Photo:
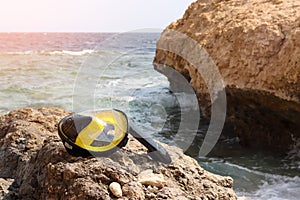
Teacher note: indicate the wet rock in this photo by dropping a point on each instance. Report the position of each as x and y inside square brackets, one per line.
[255, 46]
[46, 171]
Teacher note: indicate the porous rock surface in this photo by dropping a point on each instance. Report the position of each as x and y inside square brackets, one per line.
[256, 48]
[35, 165]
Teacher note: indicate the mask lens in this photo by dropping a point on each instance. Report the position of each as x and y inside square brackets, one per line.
[106, 136]
[100, 130]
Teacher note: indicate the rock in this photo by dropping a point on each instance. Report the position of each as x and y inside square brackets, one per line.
[174, 193]
[134, 190]
[4, 187]
[22, 133]
[255, 46]
[116, 189]
[44, 170]
[8, 189]
[147, 177]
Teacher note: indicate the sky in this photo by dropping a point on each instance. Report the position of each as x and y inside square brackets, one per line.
[88, 15]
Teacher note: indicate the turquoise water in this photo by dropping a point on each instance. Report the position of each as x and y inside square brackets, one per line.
[42, 69]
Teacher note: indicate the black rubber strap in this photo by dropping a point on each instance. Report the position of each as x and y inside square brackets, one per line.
[156, 151]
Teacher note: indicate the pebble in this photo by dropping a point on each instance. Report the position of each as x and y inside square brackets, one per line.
[147, 177]
[116, 189]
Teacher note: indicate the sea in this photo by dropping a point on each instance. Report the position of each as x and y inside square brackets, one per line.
[115, 70]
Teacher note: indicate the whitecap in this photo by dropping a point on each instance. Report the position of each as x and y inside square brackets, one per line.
[73, 53]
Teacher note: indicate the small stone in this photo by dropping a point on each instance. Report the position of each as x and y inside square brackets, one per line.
[147, 177]
[116, 189]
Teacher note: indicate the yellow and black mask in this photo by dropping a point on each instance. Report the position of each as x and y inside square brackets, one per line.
[100, 133]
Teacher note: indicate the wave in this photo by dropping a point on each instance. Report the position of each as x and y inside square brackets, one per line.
[83, 52]
[276, 189]
[72, 53]
[78, 52]
[18, 52]
[272, 187]
[50, 52]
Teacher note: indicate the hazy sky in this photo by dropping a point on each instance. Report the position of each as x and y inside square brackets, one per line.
[88, 15]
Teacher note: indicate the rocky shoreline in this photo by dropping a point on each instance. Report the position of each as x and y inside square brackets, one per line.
[255, 46]
[35, 165]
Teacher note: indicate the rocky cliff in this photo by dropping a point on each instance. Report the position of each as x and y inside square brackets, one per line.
[256, 48]
[35, 165]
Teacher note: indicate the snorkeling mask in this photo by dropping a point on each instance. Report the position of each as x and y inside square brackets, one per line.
[100, 133]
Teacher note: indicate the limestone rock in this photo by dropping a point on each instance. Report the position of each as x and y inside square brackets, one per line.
[255, 46]
[47, 171]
